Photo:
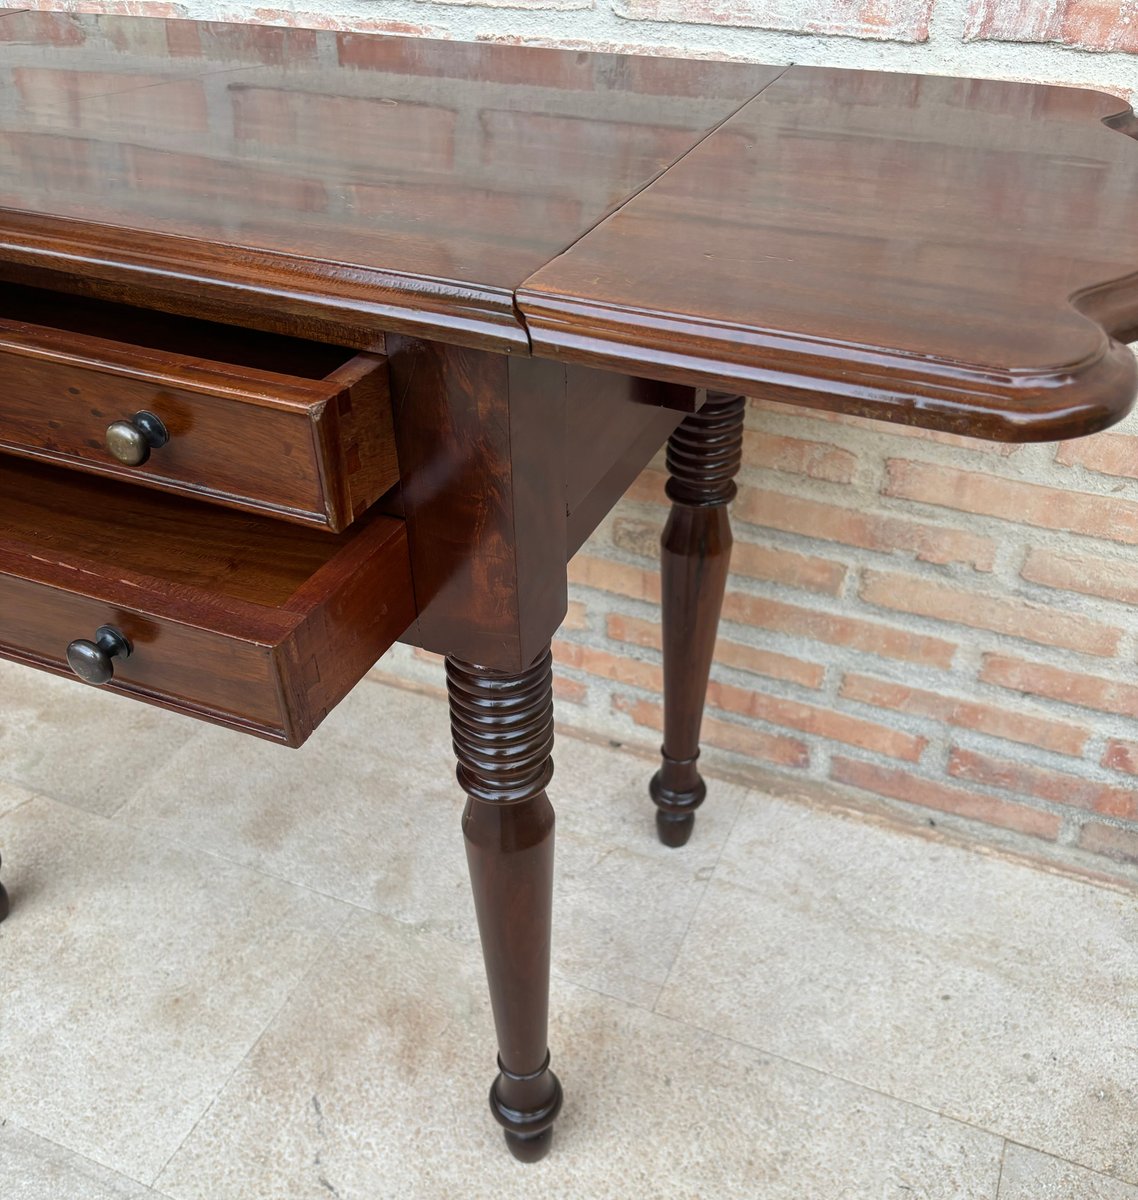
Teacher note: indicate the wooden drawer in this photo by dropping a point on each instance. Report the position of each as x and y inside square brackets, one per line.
[234, 618]
[255, 421]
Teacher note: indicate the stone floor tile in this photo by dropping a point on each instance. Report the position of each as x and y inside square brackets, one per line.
[12, 796]
[32, 1168]
[1029, 1175]
[61, 738]
[371, 1084]
[135, 977]
[376, 820]
[984, 989]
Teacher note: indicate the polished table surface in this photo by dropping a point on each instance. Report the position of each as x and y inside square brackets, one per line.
[958, 254]
[488, 283]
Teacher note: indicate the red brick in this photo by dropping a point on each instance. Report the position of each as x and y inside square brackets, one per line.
[262, 45]
[1107, 453]
[338, 20]
[1056, 786]
[733, 654]
[1087, 574]
[822, 722]
[901, 785]
[805, 571]
[608, 666]
[898, 21]
[1122, 756]
[1011, 500]
[570, 690]
[798, 456]
[1109, 840]
[587, 571]
[725, 735]
[1000, 614]
[1087, 24]
[1054, 683]
[576, 617]
[881, 430]
[1013, 726]
[835, 630]
[871, 531]
[771, 563]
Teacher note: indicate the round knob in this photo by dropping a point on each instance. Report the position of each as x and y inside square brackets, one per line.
[94, 661]
[131, 441]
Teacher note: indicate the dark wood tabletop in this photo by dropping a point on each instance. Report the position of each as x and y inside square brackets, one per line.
[954, 253]
[413, 183]
[959, 254]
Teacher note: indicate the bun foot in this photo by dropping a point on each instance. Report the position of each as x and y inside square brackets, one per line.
[529, 1131]
[677, 791]
[532, 1148]
[674, 829]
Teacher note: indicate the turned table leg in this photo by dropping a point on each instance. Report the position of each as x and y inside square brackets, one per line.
[503, 738]
[704, 454]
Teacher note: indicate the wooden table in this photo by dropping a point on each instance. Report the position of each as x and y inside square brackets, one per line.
[310, 342]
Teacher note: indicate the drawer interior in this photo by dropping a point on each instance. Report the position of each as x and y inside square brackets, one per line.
[82, 521]
[176, 335]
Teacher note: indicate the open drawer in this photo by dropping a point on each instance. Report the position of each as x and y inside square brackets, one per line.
[237, 619]
[257, 421]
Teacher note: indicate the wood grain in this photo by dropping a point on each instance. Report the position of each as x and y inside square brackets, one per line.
[402, 184]
[270, 424]
[240, 620]
[953, 253]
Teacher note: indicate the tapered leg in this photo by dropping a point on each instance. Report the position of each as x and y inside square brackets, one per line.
[3, 902]
[704, 454]
[503, 738]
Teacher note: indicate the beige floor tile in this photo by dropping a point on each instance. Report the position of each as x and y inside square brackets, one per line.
[369, 812]
[135, 978]
[1029, 1175]
[62, 738]
[371, 1084]
[983, 989]
[12, 796]
[32, 1168]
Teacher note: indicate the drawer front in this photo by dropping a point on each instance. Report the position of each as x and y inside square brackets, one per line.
[315, 448]
[200, 672]
[239, 620]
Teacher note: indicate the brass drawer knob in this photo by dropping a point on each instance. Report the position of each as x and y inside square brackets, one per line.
[94, 661]
[130, 442]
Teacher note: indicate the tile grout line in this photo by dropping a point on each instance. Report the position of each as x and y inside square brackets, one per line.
[11, 1121]
[1070, 1162]
[698, 904]
[1000, 1176]
[876, 1091]
[318, 958]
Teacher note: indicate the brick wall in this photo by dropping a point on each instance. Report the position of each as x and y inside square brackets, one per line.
[946, 625]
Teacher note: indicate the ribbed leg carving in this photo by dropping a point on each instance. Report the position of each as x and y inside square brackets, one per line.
[502, 726]
[3, 902]
[704, 454]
